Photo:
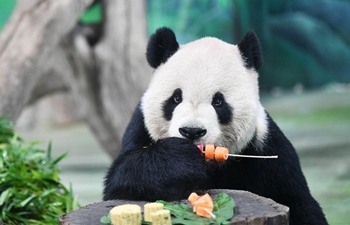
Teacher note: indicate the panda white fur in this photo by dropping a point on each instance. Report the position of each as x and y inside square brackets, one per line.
[205, 92]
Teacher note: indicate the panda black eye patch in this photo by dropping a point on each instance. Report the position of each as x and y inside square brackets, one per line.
[222, 108]
[170, 104]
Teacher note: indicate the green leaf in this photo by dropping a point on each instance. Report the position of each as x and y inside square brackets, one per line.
[105, 220]
[223, 208]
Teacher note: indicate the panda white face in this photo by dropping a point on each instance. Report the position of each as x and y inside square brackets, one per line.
[205, 93]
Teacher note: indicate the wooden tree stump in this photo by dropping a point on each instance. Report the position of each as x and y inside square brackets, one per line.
[250, 209]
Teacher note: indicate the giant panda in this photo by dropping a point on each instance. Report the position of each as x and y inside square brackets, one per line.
[205, 92]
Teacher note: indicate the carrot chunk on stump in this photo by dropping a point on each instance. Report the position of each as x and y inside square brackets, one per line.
[192, 198]
[203, 206]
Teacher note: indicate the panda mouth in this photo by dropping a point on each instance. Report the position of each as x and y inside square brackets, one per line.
[198, 142]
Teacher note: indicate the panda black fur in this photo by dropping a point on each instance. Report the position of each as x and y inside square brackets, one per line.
[206, 92]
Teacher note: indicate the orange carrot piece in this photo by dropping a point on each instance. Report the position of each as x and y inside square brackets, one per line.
[193, 198]
[205, 201]
[209, 151]
[202, 205]
[221, 154]
[200, 211]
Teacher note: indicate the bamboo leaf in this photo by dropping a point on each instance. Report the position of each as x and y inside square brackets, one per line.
[26, 201]
[48, 156]
[30, 191]
[4, 195]
[1, 163]
[55, 161]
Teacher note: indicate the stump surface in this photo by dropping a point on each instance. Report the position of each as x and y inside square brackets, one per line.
[250, 209]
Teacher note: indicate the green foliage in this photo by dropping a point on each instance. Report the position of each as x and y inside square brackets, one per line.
[31, 192]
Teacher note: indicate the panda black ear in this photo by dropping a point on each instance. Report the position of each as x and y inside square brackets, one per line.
[161, 46]
[251, 50]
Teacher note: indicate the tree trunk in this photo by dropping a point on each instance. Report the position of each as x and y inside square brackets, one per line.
[26, 46]
[250, 209]
[106, 78]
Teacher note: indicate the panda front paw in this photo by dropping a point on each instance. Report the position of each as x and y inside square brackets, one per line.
[169, 170]
[179, 147]
[185, 169]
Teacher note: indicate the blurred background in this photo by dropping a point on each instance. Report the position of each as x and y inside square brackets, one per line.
[304, 81]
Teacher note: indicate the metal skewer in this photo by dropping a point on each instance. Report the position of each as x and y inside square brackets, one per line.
[254, 156]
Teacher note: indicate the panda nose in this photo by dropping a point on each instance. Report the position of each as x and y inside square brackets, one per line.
[192, 133]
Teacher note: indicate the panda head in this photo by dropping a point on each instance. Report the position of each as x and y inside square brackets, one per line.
[205, 91]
